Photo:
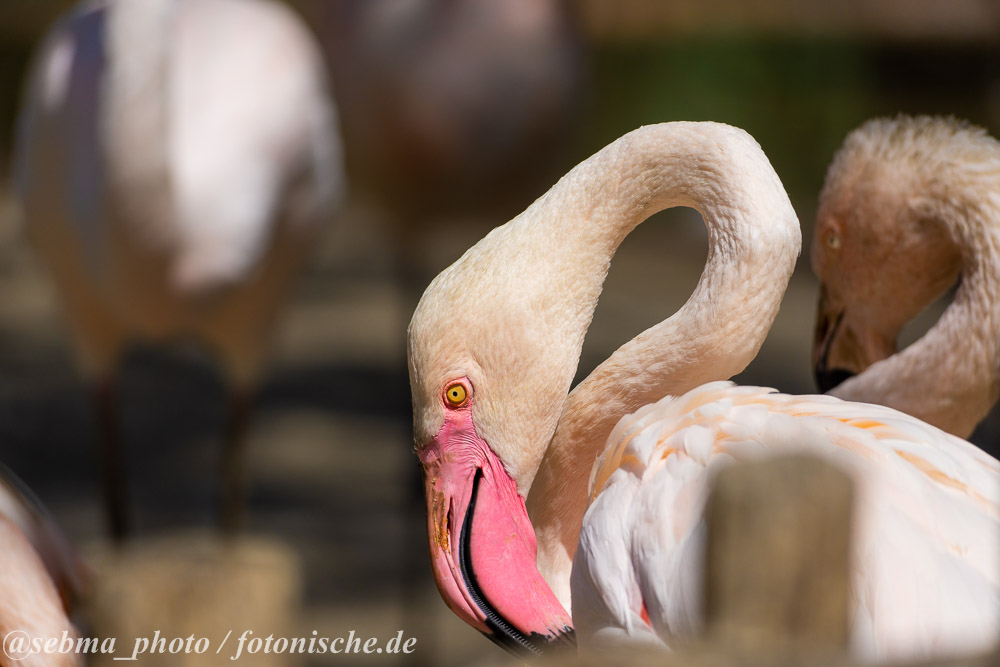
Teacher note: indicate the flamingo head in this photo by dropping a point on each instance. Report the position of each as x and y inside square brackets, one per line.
[482, 544]
[879, 249]
[490, 369]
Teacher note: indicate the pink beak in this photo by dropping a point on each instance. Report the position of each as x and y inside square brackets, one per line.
[483, 546]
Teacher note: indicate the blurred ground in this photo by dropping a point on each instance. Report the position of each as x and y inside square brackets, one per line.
[330, 450]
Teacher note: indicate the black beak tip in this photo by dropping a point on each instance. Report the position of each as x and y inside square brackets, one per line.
[827, 379]
[535, 645]
[566, 639]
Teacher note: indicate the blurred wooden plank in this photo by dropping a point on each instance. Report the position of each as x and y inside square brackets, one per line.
[777, 563]
[154, 593]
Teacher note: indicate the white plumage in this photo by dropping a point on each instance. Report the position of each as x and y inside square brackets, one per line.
[171, 155]
[925, 577]
[174, 159]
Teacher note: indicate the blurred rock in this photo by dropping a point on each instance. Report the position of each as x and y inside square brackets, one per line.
[194, 585]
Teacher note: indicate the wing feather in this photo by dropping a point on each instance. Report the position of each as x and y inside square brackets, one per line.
[926, 543]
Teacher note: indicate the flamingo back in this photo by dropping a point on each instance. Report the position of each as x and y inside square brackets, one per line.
[925, 574]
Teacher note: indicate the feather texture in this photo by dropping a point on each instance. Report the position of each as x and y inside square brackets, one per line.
[926, 546]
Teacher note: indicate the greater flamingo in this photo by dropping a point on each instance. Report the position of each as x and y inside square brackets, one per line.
[40, 575]
[909, 204]
[174, 160]
[492, 350]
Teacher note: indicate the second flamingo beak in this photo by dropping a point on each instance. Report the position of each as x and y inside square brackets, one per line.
[843, 345]
[483, 546]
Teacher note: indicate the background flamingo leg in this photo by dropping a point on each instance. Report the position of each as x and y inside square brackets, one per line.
[111, 459]
[232, 471]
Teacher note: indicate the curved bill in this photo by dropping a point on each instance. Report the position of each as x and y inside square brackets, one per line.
[843, 345]
[483, 546]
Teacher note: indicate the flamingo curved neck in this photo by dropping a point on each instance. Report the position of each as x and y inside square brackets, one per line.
[540, 275]
[754, 240]
[950, 377]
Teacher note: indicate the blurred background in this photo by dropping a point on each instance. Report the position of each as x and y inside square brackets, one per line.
[455, 118]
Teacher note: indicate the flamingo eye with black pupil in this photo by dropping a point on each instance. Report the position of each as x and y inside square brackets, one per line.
[456, 395]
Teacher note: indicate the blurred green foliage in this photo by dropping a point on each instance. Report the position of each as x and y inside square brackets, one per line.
[797, 97]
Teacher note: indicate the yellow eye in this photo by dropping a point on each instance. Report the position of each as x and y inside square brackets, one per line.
[833, 241]
[456, 395]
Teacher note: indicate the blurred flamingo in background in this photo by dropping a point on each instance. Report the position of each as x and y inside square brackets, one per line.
[618, 511]
[174, 161]
[909, 205]
[452, 107]
[40, 574]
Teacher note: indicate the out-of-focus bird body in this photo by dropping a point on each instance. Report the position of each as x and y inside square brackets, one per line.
[194, 227]
[30, 602]
[174, 161]
[454, 105]
[40, 575]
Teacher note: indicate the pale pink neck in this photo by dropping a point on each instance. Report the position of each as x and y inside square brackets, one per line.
[753, 242]
[950, 377]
